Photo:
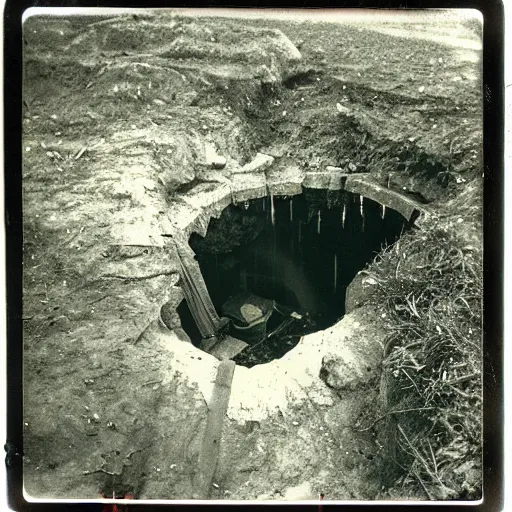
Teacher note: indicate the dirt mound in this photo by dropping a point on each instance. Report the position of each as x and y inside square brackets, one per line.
[186, 39]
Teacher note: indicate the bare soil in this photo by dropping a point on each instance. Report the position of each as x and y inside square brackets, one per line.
[117, 117]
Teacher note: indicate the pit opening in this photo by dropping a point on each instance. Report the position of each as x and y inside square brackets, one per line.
[288, 261]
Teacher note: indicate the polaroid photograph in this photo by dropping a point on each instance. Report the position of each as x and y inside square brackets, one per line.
[252, 256]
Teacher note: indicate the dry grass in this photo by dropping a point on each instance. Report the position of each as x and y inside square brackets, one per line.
[429, 288]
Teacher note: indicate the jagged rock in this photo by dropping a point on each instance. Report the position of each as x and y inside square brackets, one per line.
[344, 372]
[260, 163]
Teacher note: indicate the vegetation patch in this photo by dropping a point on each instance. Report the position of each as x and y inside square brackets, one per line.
[428, 287]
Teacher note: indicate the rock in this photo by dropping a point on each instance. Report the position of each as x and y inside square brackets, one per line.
[421, 89]
[352, 167]
[341, 109]
[218, 163]
[260, 163]
[177, 162]
[61, 323]
[300, 492]
[331, 168]
[213, 159]
[345, 372]
[356, 292]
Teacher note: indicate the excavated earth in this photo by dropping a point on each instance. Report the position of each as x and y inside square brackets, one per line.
[140, 127]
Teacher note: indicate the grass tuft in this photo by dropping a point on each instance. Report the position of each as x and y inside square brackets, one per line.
[429, 290]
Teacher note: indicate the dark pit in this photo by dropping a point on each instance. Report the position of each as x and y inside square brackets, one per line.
[300, 252]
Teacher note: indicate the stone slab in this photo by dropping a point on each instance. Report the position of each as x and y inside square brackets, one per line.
[285, 181]
[228, 348]
[382, 195]
[248, 186]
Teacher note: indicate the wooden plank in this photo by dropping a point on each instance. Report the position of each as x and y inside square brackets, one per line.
[210, 445]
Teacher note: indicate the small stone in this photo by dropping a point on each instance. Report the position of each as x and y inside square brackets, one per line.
[218, 162]
[341, 109]
[440, 60]
[295, 423]
[421, 89]
[215, 485]
[352, 167]
[157, 101]
[27, 148]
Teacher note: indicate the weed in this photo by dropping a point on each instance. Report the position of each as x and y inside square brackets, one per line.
[430, 287]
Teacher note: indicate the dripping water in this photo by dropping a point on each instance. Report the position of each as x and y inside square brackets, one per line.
[335, 271]
[272, 210]
[319, 221]
[361, 209]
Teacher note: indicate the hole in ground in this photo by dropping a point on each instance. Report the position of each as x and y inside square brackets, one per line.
[279, 267]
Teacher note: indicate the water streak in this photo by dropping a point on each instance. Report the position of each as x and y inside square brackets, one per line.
[344, 214]
[319, 221]
[335, 271]
[383, 211]
[291, 210]
[272, 210]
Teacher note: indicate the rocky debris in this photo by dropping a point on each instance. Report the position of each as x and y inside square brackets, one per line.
[343, 372]
[300, 492]
[260, 163]
[176, 161]
[357, 290]
[228, 348]
[342, 109]
[212, 159]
